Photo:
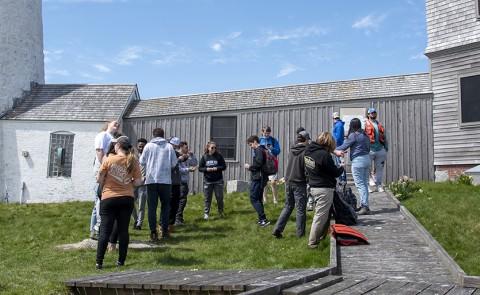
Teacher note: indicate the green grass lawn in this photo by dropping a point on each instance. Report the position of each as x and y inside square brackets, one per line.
[451, 213]
[30, 263]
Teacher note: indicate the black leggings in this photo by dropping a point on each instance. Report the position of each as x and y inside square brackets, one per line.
[114, 209]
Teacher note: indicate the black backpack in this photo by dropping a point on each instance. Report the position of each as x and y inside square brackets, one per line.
[270, 163]
[343, 212]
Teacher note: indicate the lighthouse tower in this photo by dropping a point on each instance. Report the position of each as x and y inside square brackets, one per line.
[21, 49]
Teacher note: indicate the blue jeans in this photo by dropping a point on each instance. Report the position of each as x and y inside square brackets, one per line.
[361, 172]
[256, 197]
[140, 196]
[95, 217]
[154, 192]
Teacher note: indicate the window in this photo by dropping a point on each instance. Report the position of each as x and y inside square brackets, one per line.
[61, 154]
[224, 134]
[470, 99]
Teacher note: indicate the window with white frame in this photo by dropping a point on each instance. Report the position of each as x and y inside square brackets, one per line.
[61, 154]
[223, 132]
[470, 99]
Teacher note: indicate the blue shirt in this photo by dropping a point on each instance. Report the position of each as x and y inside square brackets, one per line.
[271, 144]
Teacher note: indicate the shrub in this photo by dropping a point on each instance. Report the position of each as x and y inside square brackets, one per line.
[404, 188]
[464, 179]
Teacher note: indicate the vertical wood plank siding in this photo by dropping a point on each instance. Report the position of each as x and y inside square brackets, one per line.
[453, 144]
[407, 121]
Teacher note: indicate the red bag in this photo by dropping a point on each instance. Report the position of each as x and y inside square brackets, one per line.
[347, 236]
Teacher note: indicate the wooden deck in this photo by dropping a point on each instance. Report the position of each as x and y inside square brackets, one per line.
[397, 261]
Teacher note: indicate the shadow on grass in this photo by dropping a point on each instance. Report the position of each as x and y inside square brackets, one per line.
[176, 261]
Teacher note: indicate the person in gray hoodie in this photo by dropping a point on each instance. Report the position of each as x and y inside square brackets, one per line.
[158, 159]
[296, 188]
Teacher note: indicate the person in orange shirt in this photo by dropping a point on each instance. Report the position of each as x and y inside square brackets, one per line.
[118, 174]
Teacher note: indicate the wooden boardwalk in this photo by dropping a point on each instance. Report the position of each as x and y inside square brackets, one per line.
[397, 261]
[396, 250]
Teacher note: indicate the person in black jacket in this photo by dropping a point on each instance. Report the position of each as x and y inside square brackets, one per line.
[322, 174]
[295, 188]
[212, 165]
[258, 178]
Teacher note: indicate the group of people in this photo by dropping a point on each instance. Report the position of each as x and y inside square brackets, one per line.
[159, 170]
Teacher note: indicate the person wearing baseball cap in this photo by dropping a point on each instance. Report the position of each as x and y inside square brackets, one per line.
[378, 148]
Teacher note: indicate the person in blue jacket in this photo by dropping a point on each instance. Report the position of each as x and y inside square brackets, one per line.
[338, 133]
[272, 146]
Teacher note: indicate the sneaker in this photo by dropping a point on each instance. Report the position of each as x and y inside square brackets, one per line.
[154, 237]
[313, 246]
[363, 211]
[381, 189]
[309, 207]
[111, 247]
[93, 235]
[372, 189]
[277, 234]
[98, 266]
[205, 216]
[263, 222]
[118, 264]
[96, 227]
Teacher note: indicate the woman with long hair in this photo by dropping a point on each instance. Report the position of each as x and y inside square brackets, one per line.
[359, 144]
[212, 165]
[322, 173]
[118, 175]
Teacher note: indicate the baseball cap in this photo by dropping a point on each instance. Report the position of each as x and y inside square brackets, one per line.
[304, 134]
[335, 115]
[175, 141]
[371, 110]
[122, 138]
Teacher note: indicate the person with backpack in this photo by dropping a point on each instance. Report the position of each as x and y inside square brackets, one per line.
[258, 178]
[378, 148]
[359, 144]
[322, 173]
[212, 164]
[295, 188]
[273, 147]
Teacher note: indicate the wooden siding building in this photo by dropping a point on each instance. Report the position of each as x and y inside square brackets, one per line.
[404, 105]
[454, 50]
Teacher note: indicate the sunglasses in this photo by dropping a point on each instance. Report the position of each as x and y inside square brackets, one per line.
[213, 147]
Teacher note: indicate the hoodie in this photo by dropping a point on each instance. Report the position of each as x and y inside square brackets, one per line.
[158, 159]
[320, 167]
[295, 172]
[212, 161]
[338, 132]
[185, 165]
[258, 159]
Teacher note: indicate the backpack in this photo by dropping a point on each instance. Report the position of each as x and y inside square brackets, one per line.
[270, 164]
[347, 236]
[342, 211]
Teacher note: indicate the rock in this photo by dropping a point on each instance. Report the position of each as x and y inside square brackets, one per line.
[92, 244]
[237, 186]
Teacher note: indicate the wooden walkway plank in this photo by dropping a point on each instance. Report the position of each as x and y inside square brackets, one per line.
[363, 286]
[346, 284]
[389, 287]
[437, 289]
[151, 279]
[241, 280]
[457, 290]
[99, 281]
[413, 288]
[313, 286]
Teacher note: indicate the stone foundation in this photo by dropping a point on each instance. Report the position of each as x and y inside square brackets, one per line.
[450, 172]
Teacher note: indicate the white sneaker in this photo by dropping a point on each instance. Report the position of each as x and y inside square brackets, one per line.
[205, 216]
[381, 189]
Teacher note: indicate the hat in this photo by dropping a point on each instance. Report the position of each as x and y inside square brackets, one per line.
[304, 134]
[121, 139]
[300, 129]
[371, 110]
[336, 115]
[175, 141]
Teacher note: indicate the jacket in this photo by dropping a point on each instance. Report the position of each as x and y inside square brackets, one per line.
[258, 160]
[271, 144]
[359, 144]
[295, 172]
[338, 132]
[370, 131]
[212, 161]
[321, 170]
[158, 159]
[176, 176]
[185, 165]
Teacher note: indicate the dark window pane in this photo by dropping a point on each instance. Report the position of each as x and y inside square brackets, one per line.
[224, 134]
[60, 155]
[470, 100]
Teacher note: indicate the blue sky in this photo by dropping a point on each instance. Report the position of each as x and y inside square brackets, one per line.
[184, 47]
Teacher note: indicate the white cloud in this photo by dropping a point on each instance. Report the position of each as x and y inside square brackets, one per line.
[102, 68]
[287, 70]
[90, 76]
[52, 55]
[419, 56]
[169, 53]
[369, 23]
[217, 46]
[57, 72]
[128, 55]
[298, 33]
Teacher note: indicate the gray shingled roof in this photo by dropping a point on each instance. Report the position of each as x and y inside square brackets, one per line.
[281, 96]
[73, 102]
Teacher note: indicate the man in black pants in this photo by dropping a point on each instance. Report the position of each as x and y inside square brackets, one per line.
[258, 179]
